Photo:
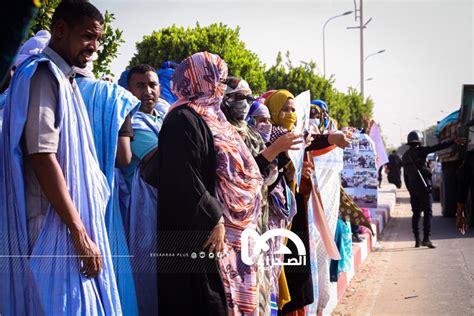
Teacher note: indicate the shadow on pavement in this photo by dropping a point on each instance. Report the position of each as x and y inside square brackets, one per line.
[403, 249]
[403, 200]
[441, 228]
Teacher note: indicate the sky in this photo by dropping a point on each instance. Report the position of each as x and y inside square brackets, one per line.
[415, 82]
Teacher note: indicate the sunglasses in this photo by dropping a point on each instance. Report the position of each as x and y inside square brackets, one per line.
[240, 97]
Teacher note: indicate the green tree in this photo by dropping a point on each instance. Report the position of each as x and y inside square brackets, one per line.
[43, 17]
[177, 43]
[347, 109]
[108, 44]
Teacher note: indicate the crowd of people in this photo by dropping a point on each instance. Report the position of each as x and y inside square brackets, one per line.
[109, 191]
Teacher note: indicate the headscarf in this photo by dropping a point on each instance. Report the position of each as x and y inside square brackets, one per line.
[165, 73]
[199, 81]
[235, 113]
[316, 121]
[169, 64]
[321, 104]
[123, 80]
[275, 103]
[235, 84]
[324, 107]
[33, 46]
[268, 93]
[259, 109]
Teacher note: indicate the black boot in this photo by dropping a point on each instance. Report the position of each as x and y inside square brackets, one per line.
[427, 243]
[417, 240]
[426, 240]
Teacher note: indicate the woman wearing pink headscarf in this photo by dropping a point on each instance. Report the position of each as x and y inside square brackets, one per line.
[209, 192]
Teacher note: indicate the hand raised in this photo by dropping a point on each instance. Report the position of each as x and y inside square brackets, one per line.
[338, 139]
[289, 141]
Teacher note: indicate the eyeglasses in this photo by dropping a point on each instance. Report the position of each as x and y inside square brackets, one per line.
[240, 97]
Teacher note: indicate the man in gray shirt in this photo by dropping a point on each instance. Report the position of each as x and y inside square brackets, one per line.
[71, 44]
[55, 258]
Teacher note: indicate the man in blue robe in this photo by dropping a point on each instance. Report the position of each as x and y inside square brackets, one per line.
[110, 107]
[141, 221]
[55, 254]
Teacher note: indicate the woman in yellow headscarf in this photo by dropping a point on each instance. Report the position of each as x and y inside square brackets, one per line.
[282, 109]
[281, 198]
[295, 289]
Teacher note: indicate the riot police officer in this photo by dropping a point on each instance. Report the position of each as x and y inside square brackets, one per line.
[417, 178]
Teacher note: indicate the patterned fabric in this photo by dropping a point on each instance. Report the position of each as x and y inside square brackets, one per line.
[314, 244]
[199, 82]
[253, 140]
[263, 273]
[352, 213]
[258, 108]
[256, 145]
[329, 182]
[282, 205]
[282, 208]
[249, 134]
[277, 131]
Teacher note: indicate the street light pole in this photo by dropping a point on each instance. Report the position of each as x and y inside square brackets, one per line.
[361, 28]
[324, 38]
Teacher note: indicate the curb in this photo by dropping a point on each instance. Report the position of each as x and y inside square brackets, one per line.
[360, 251]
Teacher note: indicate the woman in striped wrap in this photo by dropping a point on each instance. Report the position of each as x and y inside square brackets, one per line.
[223, 177]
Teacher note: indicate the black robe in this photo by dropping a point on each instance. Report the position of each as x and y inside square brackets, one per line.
[394, 170]
[187, 212]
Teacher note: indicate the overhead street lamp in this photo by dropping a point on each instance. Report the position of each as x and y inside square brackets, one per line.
[368, 79]
[370, 55]
[324, 37]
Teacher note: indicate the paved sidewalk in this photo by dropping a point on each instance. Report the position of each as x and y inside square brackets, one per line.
[401, 279]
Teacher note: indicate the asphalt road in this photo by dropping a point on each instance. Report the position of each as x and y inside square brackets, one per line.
[403, 280]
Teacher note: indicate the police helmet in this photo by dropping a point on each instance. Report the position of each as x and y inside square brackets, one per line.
[415, 137]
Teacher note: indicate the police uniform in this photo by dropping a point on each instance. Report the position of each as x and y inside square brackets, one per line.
[417, 178]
